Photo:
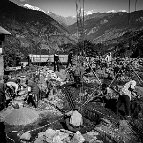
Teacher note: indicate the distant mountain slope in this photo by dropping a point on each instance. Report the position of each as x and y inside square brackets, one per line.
[63, 20]
[100, 27]
[31, 30]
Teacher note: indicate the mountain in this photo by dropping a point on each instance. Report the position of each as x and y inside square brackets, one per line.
[33, 7]
[69, 20]
[31, 30]
[63, 20]
[100, 27]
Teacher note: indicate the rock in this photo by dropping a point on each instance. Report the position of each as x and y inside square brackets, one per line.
[106, 121]
[39, 140]
[78, 136]
[124, 126]
[63, 135]
[91, 136]
[92, 133]
[98, 141]
[41, 134]
[25, 136]
[57, 139]
[50, 133]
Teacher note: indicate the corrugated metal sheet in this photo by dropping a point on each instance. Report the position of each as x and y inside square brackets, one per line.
[47, 58]
[3, 31]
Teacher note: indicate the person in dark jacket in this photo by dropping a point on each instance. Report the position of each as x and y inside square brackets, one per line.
[33, 93]
[2, 96]
[2, 133]
[56, 62]
[70, 56]
[126, 94]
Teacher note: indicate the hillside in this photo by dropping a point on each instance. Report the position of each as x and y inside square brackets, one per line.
[31, 30]
[66, 21]
[100, 27]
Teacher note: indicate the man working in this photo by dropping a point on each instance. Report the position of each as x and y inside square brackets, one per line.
[73, 120]
[125, 97]
[33, 92]
[15, 85]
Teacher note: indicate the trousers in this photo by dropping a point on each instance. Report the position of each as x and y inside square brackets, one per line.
[124, 100]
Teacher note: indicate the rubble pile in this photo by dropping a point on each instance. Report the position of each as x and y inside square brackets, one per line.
[122, 133]
[62, 136]
[46, 107]
[108, 127]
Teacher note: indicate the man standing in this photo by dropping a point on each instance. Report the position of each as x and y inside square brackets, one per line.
[125, 97]
[70, 56]
[56, 62]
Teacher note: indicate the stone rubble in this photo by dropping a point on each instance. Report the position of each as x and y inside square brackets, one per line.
[25, 136]
[64, 136]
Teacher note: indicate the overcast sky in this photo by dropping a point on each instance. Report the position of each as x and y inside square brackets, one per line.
[68, 8]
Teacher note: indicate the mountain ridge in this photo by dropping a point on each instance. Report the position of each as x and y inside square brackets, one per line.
[104, 26]
[31, 31]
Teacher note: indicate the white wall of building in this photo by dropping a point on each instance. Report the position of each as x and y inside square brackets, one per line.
[47, 58]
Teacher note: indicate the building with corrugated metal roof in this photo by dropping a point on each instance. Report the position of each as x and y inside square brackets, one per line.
[3, 32]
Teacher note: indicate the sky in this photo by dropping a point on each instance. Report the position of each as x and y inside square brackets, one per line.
[68, 7]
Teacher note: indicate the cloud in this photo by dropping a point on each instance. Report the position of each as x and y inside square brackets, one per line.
[112, 11]
[122, 11]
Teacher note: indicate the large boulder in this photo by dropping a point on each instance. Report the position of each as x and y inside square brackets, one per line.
[25, 136]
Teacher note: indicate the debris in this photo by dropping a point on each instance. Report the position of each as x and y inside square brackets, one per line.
[50, 133]
[57, 139]
[25, 136]
[39, 140]
[78, 136]
[41, 134]
[22, 116]
[93, 133]
[106, 121]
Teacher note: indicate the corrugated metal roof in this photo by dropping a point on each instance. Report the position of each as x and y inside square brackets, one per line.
[3, 31]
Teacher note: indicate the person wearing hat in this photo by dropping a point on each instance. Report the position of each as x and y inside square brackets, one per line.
[74, 120]
[126, 94]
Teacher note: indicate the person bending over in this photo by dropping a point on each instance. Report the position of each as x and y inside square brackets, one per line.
[125, 97]
[73, 120]
[15, 85]
[33, 93]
